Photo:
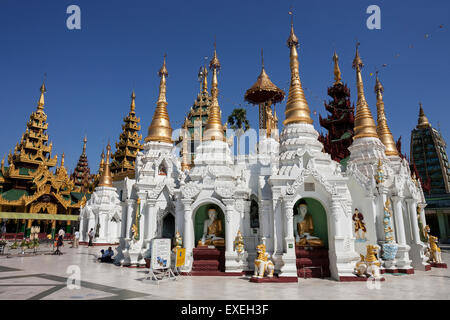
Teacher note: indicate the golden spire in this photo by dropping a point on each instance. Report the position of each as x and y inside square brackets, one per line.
[214, 128]
[297, 110]
[383, 131]
[364, 123]
[423, 120]
[105, 178]
[204, 78]
[62, 159]
[160, 129]
[133, 105]
[41, 98]
[102, 162]
[337, 71]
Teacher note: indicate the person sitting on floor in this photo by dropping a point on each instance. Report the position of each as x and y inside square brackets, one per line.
[106, 255]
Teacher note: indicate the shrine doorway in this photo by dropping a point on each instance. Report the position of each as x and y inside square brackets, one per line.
[168, 226]
[319, 218]
[201, 214]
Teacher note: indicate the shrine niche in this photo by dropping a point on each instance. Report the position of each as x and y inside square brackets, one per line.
[310, 223]
[254, 214]
[168, 226]
[209, 226]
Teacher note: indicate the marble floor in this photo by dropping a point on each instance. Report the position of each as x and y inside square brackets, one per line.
[46, 276]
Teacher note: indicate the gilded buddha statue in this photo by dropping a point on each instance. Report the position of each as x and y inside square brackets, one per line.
[212, 230]
[304, 227]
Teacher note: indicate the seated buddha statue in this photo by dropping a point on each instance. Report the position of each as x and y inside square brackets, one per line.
[304, 227]
[212, 230]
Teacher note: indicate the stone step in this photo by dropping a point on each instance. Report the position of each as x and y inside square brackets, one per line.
[313, 273]
[208, 260]
[312, 262]
[315, 252]
[206, 265]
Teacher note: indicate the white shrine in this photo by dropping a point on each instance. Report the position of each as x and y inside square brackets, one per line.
[375, 189]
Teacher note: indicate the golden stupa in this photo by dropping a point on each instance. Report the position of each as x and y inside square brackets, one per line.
[364, 123]
[214, 128]
[160, 129]
[297, 110]
[383, 131]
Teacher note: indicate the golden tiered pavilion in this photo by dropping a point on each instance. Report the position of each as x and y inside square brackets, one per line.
[31, 194]
[123, 160]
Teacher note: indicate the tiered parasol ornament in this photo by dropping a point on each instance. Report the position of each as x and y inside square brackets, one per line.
[264, 93]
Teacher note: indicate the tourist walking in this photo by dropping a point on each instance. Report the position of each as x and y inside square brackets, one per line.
[76, 239]
[91, 236]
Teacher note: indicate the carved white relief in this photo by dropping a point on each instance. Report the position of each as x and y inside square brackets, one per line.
[225, 189]
[190, 190]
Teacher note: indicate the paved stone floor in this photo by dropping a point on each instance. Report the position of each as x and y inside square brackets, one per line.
[45, 276]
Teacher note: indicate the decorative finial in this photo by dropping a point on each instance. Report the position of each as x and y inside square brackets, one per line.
[133, 103]
[378, 87]
[203, 79]
[262, 59]
[163, 70]
[214, 63]
[292, 40]
[337, 71]
[364, 123]
[423, 120]
[84, 145]
[62, 159]
[160, 129]
[41, 101]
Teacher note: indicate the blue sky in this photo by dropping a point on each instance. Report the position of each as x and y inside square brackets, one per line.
[91, 72]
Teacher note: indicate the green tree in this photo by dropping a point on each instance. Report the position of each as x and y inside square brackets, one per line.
[237, 121]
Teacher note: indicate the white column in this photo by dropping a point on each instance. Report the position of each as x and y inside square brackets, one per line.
[403, 261]
[336, 215]
[229, 227]
[289, 269]
[188, 232]
[379, 212]
[412, 205]
[399, 223]
[129, 220]
[289, 220]
[264, 214]
[150, 219]
[417, 252]
[422, 213]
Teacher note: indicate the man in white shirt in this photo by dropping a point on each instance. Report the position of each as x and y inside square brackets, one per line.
[76, 239]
